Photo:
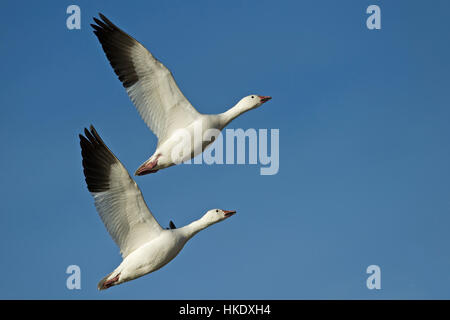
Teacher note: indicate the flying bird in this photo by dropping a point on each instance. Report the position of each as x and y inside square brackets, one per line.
[159, 101]
[145, 246]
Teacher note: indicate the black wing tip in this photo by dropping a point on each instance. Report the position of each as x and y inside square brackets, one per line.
[91, 136]
[95, 134]
[171, 226]
[105, 19]
[97, 160]
[99, 25]
[116, 44]
[103, 23]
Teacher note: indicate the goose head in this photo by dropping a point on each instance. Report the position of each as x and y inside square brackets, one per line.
[253, 101]
[245, 104]
[209, 218]
[216, 215]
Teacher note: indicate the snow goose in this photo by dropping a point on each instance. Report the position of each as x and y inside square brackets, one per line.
[159, 101]
[145, 246]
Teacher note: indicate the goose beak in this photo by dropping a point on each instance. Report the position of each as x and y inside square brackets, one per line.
[148, 167]
[228, 213]
[145, 169]
[264, 98]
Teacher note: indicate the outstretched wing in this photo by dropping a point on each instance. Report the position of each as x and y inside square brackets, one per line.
[118, 199]
[149, 84]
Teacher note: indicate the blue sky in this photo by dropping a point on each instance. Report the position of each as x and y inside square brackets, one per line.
[364, 149]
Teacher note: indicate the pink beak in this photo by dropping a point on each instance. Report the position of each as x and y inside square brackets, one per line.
[229, 213]
[265, 98]
[146, 168]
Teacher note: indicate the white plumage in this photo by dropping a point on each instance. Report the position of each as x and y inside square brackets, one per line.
[159, 101]
[144, 244]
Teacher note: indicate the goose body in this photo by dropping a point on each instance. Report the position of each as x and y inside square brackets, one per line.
[149, 257]
[159, 101]
[145, 246]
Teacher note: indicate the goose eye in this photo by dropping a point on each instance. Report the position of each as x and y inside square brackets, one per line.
[217, 210]
[252, 97]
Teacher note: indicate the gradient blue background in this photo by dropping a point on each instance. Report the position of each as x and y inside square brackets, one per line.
[364, 149]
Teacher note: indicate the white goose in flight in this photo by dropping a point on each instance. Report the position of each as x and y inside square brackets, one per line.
[144, 244]
[164, 108]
